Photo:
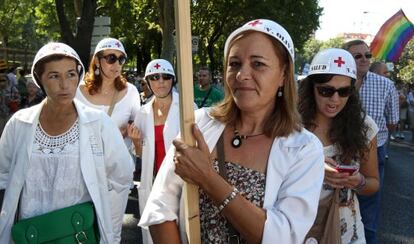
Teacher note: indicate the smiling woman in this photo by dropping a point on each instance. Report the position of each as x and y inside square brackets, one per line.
[259, 172]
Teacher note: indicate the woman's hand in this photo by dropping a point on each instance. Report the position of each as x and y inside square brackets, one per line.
[334, 178]
[124, 131]
[135, 134]
[193, 164]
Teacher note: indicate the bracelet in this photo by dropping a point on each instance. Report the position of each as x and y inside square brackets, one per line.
[362, 184]
[228, 199]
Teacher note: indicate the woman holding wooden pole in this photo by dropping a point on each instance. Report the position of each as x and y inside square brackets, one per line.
[259, 172]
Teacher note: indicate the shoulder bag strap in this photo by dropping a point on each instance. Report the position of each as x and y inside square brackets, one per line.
[113, 101]
[234, 237]
[205, 98]
[220, 154]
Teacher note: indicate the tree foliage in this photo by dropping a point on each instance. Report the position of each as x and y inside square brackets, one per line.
[145, 26]
[405, 66]
[213, 21]
[16, 24]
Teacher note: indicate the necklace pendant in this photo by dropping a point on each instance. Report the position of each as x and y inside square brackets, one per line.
[236, 142]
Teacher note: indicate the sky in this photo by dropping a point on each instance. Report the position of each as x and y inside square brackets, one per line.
[358, 16]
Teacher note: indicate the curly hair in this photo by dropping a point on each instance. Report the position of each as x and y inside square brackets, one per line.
[349, 132]
[93, 82]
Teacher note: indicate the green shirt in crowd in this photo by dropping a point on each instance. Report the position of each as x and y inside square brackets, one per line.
[208, 97]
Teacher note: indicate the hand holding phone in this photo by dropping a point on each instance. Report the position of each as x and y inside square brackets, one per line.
[350, 169]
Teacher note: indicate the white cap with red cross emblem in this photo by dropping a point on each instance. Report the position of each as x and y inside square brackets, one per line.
[333, 61]
[159, 66]
[268, 27]
[110, 43]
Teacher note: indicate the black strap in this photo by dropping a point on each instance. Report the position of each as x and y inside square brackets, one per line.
[234, 236]
[205, 98]
[220, 154]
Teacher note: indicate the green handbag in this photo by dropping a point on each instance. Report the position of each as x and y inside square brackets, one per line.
[75, 224]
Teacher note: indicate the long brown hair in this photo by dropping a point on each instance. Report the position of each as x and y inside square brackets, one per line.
[349, 132]
[284, 119]
[94, 82]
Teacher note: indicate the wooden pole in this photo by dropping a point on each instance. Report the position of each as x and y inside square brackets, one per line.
[185, 76]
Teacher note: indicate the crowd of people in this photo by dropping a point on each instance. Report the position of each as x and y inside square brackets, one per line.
[273, 162]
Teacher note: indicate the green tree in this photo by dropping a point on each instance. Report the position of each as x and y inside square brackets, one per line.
[336, 42]
[404, 68]
[14, 22]
[78, 37]
[309, 49]
[213, 21]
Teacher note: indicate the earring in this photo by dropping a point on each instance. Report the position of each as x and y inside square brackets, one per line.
[280, 92]
[97, 72]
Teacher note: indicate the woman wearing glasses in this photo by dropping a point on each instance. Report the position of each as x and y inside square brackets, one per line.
[105, 88]
[157, 124]
[331, 109]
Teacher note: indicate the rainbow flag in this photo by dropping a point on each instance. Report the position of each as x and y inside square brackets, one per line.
[392, 37]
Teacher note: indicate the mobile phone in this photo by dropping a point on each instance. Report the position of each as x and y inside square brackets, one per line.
[350, 169]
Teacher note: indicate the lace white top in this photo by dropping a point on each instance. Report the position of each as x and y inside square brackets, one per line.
[54, 178]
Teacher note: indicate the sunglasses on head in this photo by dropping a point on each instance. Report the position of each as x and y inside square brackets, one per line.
[156, 77]
[359, 56]
[112, 58]
[329, 91]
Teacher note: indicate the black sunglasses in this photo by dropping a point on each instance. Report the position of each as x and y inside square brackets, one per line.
[3, 80]
[156, 77]
[112, 58]
[359, 56]
[329, 91]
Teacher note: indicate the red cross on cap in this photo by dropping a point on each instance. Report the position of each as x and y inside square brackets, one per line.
[157, 66]
[117, 44]
[339, 61]
[256, 22]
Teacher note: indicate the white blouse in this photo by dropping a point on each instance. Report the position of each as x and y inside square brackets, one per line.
[352, 228]
[54, 178]
[124, 110]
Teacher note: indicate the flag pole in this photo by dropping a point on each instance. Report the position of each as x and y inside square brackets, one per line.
[185, 74]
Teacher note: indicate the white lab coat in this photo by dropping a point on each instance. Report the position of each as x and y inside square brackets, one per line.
[295, 172]
[105, 162]
[145, 122]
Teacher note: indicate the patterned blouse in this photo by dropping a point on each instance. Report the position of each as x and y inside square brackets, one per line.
[251, 185]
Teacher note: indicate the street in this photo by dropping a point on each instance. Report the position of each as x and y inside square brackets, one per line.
[397, 209]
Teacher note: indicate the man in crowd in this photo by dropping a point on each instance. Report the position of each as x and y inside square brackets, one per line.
[205, 94]
[380, 68]
[380, 100]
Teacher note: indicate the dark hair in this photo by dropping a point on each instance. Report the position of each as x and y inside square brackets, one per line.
[375, 66]
[349, 44]
[39, 67]
[205, 68]
[94, 82]
[349, 132]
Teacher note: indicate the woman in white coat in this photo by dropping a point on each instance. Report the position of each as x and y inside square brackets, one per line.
[271, 169]
[61, 153]
[156, 125]
[105, 88]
